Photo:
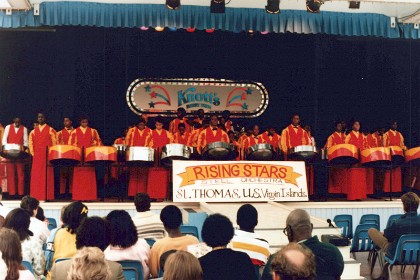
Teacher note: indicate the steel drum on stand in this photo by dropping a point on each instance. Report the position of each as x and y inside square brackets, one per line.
[261, 152]
[100, 154]
[14, 151]
[375, 157]
[172, 152]
[219, 151]
[64, 155]
[139, 156]
[304, 152]
[397, 155]
[343, 154]
[412, 156]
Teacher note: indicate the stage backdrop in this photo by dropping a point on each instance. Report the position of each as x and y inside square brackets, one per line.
[80, 70]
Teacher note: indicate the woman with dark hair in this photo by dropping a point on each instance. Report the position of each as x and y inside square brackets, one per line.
[18, 220]
[125, 245]
[11, 251]
[65, 239]
[223, 263]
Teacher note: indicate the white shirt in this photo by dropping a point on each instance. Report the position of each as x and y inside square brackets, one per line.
[149, 225]
[40, 229]
[6, 134]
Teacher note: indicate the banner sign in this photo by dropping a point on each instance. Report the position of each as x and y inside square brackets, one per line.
[165, 96]
[229, 181]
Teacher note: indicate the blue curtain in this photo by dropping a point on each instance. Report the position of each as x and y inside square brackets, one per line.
[234, 19]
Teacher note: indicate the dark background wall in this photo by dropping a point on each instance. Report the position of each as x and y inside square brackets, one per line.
[80, 70]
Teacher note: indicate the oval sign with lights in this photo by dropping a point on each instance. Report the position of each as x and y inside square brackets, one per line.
[244, 99]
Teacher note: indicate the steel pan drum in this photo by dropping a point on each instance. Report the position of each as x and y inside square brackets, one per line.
[372, 157]
[397, 155]
[175, 152]
[412, 156]
[64, 155]
[14, 151]
[261, 152]
[120, 151]
[101, 154]
[343, 154]
[139, 156]
[304, 152]
[219, 151]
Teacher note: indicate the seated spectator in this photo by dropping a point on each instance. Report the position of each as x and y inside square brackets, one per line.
[329, 261]
[223, 263]
[409, 223]
[39, 228]
[93, 232]
[294, 262]
[246, 240]
[89, 263]
[125, 245]
[147, 223]
[182, 265]
[3, 268]
[40, 215]
[19, 220]
[11, 251]
[171, 218]
[65, 238]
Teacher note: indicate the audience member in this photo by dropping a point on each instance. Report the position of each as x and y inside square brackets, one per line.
[147, 223]
[125, 245]
[329, 261]
[89, 264]
[62, 217]
[246, 240]
[19, 219]
[409, 223]
[65, 238]
[182, 265]
[11, 250]
[171, 218]
[3, 268]
[294, 262]
[40, 229]
[92, 232]
[40, 215]
[223, 263]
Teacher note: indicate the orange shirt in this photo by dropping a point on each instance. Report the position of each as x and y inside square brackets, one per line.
[173, 125]
[293, 136]
[209, 135]
[184, 139]
[63, 136]
[357, 138]
[273, 140]
[394, 138]
[335, 139]
[252, 140]
[137, 137]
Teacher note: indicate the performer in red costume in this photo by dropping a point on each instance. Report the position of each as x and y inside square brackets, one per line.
[357, 177]
[337, 176]
[271, 137]
[173, 125]
[226, 121]
[15, 133]
[66, 172]
[212, 134]
[40, 139]
[140, 136]
[84, 178]
[253, 139]
[157, 186]
[182, 136]
[393, 138]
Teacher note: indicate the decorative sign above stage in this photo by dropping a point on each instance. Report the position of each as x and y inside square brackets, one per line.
[228, 181]
[244, 99]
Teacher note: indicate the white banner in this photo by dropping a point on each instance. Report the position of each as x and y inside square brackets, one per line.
[230, 181]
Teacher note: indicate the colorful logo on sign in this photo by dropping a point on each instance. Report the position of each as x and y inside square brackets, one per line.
[165, 96]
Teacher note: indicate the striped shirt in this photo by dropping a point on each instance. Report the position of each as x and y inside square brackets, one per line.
[149, 225]
[248, 242]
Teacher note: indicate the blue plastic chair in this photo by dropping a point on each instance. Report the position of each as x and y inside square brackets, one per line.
[52, 223]
[406, 253]
[361, 241]
[132, 270]
[392, 219]
[345, 222]
[61, 259]
[370, 219]
[191, 230]
[150, 241]
[28, 266]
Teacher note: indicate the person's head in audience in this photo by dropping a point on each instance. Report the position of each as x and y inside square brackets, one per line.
[89, 263]
[294, 262]
[164, 257]
[410, 202]
[74, 214]
[142, 202]
[298, 226]
[123, 230]
[93, 232]
[19, 220]
[217, 231]
[182, 265]
[30, 204]
[171, 218]
[247, 218]
[40, 214]
[63, 218]
[11, 250]
[3, 268]
[1, 221]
